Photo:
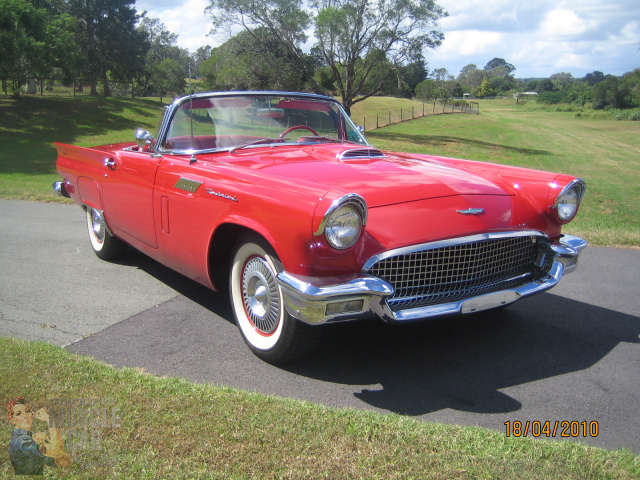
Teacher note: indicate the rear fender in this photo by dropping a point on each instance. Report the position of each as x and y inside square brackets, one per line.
[90, 192]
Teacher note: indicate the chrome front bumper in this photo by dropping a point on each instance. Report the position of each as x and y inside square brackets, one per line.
[318, 300]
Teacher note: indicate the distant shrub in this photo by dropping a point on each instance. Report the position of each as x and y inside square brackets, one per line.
[550, 97]
[633, 114]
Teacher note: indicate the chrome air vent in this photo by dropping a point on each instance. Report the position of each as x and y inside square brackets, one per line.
[187, 184]
[360, 153]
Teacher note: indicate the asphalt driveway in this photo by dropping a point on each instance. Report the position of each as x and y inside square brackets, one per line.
[570, 355]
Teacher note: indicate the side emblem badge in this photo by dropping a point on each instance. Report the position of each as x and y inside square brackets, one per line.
[471, 211]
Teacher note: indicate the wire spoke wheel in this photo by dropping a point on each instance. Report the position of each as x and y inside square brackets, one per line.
[256, 299]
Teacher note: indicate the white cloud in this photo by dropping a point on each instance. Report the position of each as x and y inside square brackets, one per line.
[468, 42]
[561, 22]
[186, 18]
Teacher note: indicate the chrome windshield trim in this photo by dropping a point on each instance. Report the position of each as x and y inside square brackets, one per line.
[451, 242]
[175, 105]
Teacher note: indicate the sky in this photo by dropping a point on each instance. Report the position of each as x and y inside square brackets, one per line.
[539, 38]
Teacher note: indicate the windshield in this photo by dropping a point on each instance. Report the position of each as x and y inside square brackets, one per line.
[230, 122]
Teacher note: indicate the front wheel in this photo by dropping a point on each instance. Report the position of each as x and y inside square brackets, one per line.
[256, 298]
[104, 245]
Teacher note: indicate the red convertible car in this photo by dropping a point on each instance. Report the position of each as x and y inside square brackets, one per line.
[278, 197]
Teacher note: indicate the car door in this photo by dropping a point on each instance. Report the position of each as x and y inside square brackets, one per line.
[128, 194]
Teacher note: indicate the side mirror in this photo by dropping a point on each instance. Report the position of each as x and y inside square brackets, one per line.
[144, 138]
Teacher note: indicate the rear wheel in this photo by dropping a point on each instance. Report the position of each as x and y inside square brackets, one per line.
[105, 245]
[256, 298]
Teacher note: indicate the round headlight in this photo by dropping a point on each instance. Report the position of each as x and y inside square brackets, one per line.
[343, 227]
[567, 203]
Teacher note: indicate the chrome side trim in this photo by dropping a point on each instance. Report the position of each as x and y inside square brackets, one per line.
[471, 211]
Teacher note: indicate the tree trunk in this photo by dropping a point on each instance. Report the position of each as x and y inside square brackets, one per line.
[107, 90]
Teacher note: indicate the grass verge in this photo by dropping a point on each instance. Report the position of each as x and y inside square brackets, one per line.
[171, 428]
[30, 125]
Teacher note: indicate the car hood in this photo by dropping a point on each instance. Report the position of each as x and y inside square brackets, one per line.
[382, 178]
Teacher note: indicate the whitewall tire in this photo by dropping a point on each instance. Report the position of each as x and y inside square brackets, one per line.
[256, 299]
[104, 245]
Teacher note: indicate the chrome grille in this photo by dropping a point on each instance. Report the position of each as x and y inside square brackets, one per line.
[454, 272]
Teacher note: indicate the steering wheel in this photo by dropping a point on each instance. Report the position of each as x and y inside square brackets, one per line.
[298, 127]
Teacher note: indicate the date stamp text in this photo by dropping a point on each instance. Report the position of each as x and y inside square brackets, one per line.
[552, 428]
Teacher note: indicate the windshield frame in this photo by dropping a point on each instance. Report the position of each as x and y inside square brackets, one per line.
[183, 102]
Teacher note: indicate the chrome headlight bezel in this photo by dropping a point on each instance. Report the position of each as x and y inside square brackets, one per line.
[567, 203]
[344, 221]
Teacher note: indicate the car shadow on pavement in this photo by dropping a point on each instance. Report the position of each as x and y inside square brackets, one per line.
[463, 362]
[460, 362]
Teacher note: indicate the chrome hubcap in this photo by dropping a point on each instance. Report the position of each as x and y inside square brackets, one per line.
[260, 295]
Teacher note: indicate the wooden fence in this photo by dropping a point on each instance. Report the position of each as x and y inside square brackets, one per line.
[433, 107]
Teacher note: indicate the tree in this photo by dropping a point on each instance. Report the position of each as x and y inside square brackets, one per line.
[561, 80]
[408, 78]
[498, 66]
[199, 57]
[160, 39]
[593, 78]
[23, 41]
[34, 42]
[351, 35]
[168, 76]
[471, 77]
[632, 81]
[162, 47]
[109, 40]
[611, 92]
[249, 61]
[545, 85]
[446, 82]
[578, 93]
[484, 90]
[427, 89]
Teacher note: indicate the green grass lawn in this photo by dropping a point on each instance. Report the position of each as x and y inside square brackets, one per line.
[30, 125]
[606, 153]
[174, 429]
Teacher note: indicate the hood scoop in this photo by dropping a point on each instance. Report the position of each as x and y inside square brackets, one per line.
[360, 155]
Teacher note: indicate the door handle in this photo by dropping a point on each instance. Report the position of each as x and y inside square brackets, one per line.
[110, 163]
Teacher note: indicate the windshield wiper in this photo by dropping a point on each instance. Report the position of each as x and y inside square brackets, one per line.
[265, 140]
